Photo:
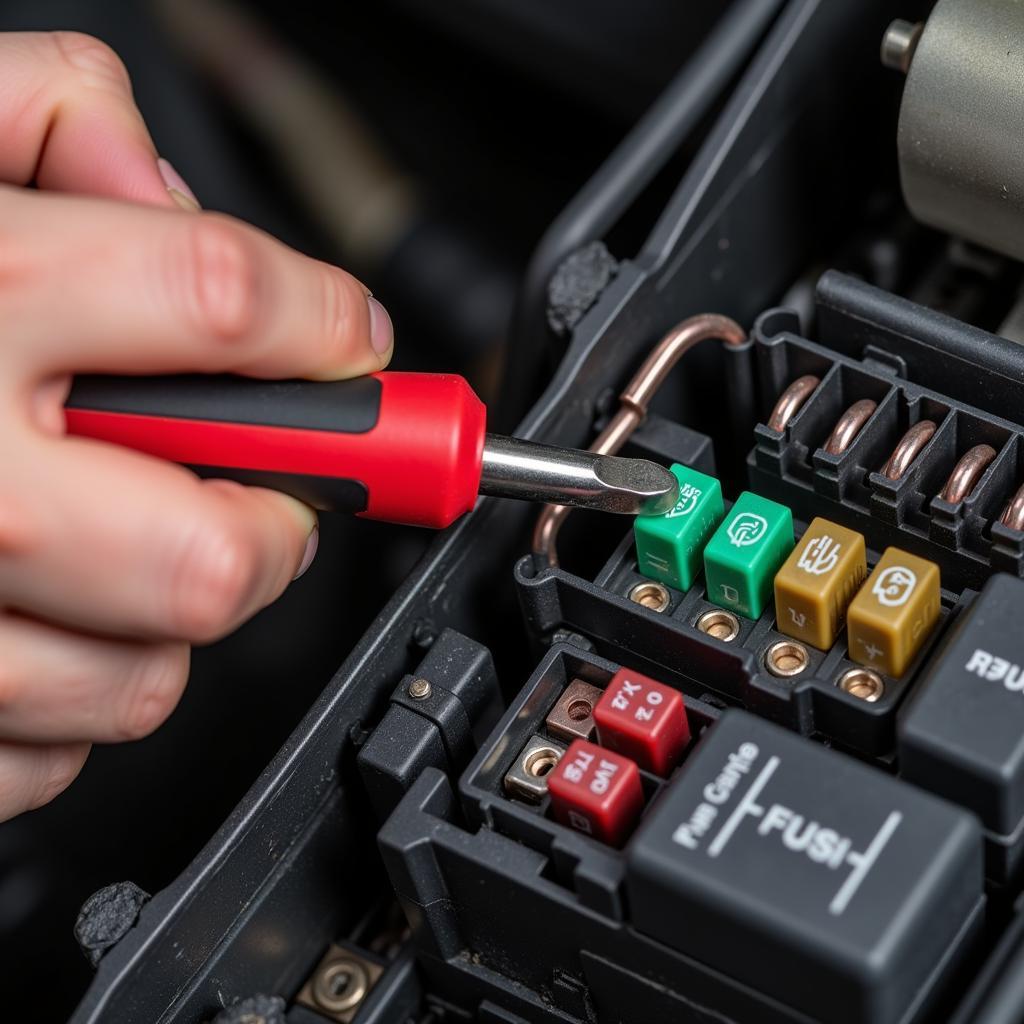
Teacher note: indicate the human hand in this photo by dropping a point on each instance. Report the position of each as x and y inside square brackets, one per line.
[112, 563]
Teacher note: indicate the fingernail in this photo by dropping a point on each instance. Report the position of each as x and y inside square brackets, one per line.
[310, 553]
[177, 187]
[382, 334]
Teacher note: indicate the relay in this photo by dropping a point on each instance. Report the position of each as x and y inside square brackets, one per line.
[835, 889]
[963, 735]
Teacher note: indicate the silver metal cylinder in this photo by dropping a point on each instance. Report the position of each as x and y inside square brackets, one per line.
[513, 468]
[961, 127]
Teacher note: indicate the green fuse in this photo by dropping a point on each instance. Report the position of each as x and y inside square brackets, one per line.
[668, 546]
[742, 558]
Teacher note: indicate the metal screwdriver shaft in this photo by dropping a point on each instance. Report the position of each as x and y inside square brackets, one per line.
[535, 472]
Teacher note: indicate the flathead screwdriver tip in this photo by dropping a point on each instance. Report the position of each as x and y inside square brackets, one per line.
[513, 468]
[651, 488]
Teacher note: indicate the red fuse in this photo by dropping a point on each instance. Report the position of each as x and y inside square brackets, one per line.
[595, 791]
[643, 719]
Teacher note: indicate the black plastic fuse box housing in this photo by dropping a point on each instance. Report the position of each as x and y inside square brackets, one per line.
[963, 734]
[808, 876]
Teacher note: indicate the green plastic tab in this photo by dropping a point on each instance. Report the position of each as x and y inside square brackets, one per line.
[668, 546]
[741, 560]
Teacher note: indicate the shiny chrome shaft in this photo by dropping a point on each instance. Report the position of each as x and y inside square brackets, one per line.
[563, 476]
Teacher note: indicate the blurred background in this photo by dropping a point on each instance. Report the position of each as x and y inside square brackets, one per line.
[426, 147]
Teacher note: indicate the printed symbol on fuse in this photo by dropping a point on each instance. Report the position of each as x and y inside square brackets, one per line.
[688, 495]
[799, 618]
[894, 586]
[820, 556]
[656, 562]
[643, 714]
[746, 529]
[730, 594]
[871, 652]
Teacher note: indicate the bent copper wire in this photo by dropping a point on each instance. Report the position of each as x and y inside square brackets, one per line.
[633, 403]
[849, 425]
[908, 449]
[967, 472]
[1013, 514]
[790, 401]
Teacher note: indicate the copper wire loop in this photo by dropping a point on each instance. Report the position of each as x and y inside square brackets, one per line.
[849, 425]
[790, 401]
[967, 472]
[633, 404]
[1013, 514]
[908, 449]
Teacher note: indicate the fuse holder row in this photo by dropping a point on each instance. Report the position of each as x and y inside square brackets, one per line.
[739, 552]
[818, 585]
[596, 789]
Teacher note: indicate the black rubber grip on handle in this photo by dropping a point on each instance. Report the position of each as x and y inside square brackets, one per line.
[291, 436]
[343, 406]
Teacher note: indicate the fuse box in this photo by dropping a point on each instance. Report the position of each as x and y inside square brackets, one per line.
[756, 760]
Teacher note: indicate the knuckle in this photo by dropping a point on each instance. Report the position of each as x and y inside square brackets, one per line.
[58, 771]
[221, 278]
[92, 61]
[216, 576]
[153, 691]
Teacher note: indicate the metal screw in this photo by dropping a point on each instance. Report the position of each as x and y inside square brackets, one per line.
[786, 658]
[651, 595]
[340, 985]
[420, 689]
[862, 683]
[722, 625]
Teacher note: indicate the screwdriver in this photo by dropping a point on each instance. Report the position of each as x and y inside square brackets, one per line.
[402, 447]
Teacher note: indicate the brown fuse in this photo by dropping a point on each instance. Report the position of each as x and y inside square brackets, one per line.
[894, 612]
[818, 581]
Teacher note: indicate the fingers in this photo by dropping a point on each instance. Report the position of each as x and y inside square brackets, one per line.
[69, 122]
[148, 291]
[113, 542]
[57, 686]
[31, 776]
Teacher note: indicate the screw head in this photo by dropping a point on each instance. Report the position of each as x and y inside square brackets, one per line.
[420, 689]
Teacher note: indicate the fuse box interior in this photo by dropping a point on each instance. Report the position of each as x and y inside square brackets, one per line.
[757, 760]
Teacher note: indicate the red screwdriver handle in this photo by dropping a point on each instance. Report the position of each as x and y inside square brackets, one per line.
[402, 447]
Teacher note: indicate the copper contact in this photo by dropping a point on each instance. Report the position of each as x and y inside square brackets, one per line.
[849, 425]
[1013, 514]
[967, 472]
[572, 718]
[790, 401]
[633, 404]
[910, 446]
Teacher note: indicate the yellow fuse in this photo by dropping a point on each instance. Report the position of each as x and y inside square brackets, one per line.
[817, 581]
[894, 612]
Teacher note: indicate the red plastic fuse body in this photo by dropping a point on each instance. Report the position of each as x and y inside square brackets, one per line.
[596, 791]
[643, 719]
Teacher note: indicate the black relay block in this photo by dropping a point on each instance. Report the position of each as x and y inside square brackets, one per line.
[963, 734]
[813, 878]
